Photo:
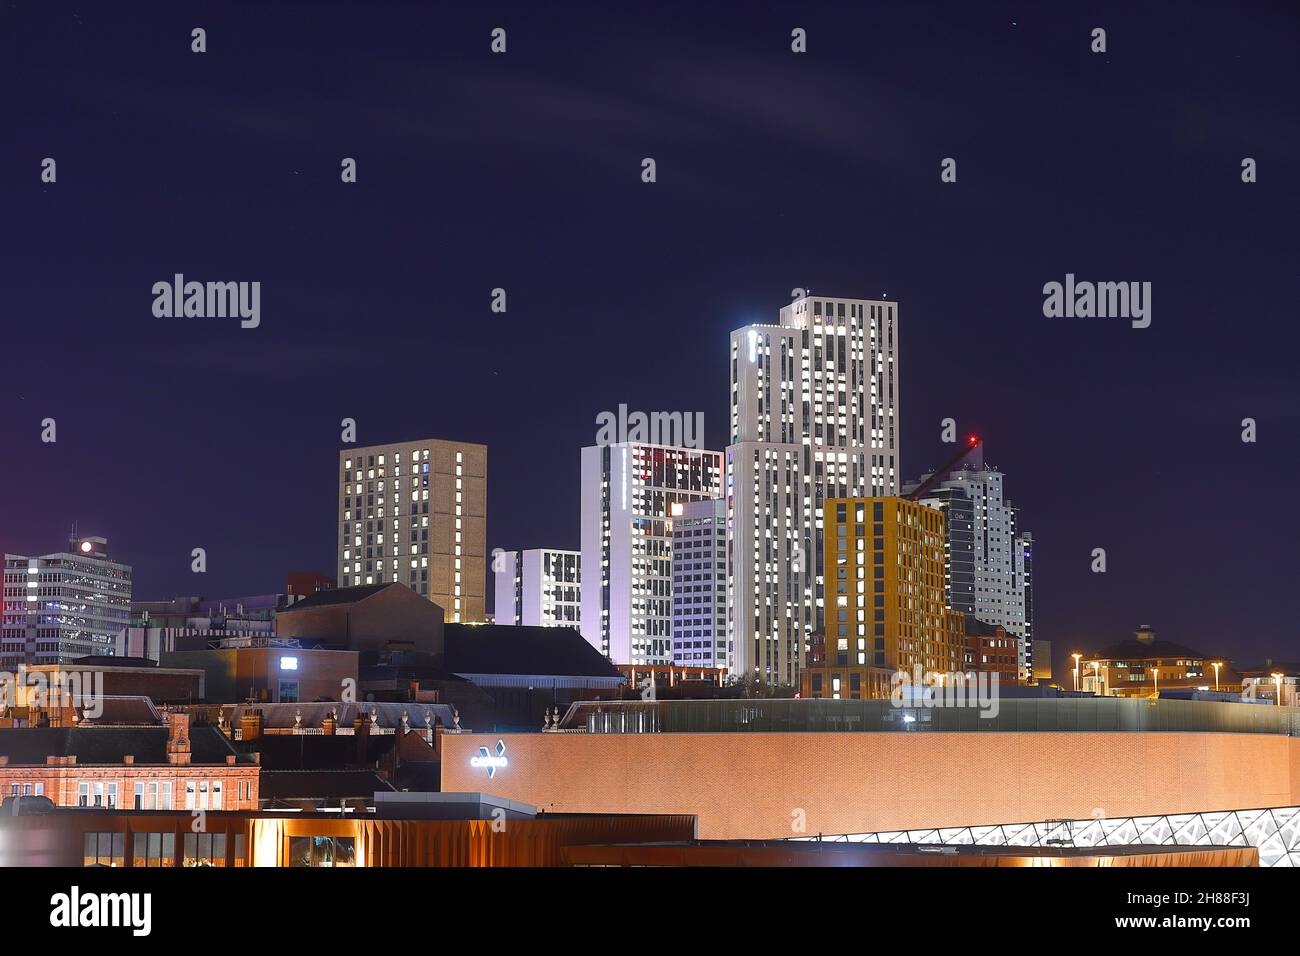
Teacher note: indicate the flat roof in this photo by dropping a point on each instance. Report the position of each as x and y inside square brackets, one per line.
[993, 714]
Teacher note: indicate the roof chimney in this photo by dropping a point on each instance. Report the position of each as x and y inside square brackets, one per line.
[178, 738]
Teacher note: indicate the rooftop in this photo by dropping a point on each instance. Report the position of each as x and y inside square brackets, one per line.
[1020, 715]
[337, 596]
[109, 745]
[503, 649]
[1135, 650]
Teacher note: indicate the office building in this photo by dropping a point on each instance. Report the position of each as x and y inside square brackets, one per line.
[884, 559]
[415, 513]
[814, 416]
[628, 492]
[62, 606]
[700, 583]
[540, 587]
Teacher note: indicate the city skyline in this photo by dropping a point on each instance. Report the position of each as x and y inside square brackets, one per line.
[207, 435]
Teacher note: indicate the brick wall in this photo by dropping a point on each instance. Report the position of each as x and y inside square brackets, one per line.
[751, 785]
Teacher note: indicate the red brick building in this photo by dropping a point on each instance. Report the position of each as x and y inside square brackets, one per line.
[172, 767]
[301, 584]
[991, 650]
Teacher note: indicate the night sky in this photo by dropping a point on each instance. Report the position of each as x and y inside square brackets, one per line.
[775, 170]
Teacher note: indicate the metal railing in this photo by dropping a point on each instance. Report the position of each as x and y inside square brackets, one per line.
[1079, 714]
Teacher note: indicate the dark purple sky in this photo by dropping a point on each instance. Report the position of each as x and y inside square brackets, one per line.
[775, 170]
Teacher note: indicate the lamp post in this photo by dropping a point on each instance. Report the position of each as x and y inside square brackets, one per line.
[1096, 677]
[1277, 679]
[1077, 657]
[1155, 676]
[1216, 665]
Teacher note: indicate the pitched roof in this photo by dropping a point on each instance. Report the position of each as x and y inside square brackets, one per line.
[337, 596]
[1268, 668]
[977, 628]
[125, 710]
[109, 745]
[1135, 650]
[503, 649]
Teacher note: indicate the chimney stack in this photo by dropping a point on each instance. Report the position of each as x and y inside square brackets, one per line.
[178, 738]
[250, 725]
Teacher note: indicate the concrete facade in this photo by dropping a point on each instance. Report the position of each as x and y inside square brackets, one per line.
[416, 513]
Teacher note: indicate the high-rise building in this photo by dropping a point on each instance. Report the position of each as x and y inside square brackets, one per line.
[700, 583]
[541, 587]
[416, 513]
[814, 416]
[58, 607]
[884, 562]
[628, 491]
[988, 559]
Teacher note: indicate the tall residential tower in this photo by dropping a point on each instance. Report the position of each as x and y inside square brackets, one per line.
[988, 557]
[628, 493]
[416, 513]
[540, 587]
[700, 583]
[814, 416]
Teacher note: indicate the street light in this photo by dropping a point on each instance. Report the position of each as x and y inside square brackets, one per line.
[1277, 679]
[1077, 658]
[1096, 677]
[1155, 676]
[1216, 665]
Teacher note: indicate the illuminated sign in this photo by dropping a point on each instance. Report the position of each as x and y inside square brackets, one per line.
[492, 762]
[288, 663]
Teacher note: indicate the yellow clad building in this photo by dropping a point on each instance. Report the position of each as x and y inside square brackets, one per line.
[884, 587]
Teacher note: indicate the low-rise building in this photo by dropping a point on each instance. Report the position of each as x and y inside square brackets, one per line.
[369, 617]
[272, 670]
[171, 767]
[837, 675]
[1142, 667]
[1272, 680]
[991, 649]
